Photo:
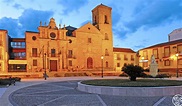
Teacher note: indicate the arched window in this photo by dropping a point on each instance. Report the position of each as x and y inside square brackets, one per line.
[106, 36]
[107, 64]
[89, 62]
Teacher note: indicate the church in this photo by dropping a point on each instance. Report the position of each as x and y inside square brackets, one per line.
[59, 49]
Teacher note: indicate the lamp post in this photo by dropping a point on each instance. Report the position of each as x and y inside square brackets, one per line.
[177, 65]
[102, 58]
[44, 65]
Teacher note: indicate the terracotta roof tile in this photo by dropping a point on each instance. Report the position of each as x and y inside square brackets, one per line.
[123, 50]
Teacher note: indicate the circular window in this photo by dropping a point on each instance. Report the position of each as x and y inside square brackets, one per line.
[34, 38]
[52, 35]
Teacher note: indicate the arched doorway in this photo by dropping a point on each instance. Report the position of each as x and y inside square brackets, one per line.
[89, 62]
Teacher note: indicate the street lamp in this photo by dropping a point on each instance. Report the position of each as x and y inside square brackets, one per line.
[177, 65]
[44, 65]
[102, 58]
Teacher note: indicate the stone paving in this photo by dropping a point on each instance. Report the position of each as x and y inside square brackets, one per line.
[64, 93]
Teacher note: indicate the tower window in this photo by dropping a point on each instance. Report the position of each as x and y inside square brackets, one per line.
[89, 40]
[106, 52]
[106, 36]
[95, 22]
[105, 20]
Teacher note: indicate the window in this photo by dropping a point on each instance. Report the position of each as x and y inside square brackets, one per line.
[125, 57]
[105, 20]
[118, 64]
[17, 67]
[118, 57]
[107, 64]
[155, 53]
[180, 61]
[166, 62]
[34, 62]
[95, 20]
[106, 52]
[53, 52]
[34, 52]
[179, 47]
[70, 53]
[166, 51]
[106, 36]
[145, 55]
[18, 55]
[89, 40]
[18, 44]
[132, 58]
[70, 62]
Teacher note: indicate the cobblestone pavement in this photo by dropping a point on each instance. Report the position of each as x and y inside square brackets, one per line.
[66, 94]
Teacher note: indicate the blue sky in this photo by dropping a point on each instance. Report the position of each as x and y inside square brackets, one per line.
[136, 23]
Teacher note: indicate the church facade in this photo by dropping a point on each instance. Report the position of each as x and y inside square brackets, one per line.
[61, 49]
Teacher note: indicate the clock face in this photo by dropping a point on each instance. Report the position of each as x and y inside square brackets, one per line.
[52, 35]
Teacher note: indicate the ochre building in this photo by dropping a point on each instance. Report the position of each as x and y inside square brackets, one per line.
[59, 49]
[168, 56]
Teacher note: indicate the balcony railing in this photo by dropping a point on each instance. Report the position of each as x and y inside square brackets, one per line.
[71, 56]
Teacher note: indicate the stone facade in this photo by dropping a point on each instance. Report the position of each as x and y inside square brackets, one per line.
[3, 51]
[60, 49]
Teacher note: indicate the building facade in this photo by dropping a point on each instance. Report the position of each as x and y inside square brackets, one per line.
[60, 49]
[124, 56]
[167, 55]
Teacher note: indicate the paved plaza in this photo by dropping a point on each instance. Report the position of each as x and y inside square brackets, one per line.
[63, 92]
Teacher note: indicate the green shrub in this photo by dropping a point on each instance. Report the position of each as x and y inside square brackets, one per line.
[132, 71]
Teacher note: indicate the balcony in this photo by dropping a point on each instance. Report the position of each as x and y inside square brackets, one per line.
[71, 56]
[132, 59]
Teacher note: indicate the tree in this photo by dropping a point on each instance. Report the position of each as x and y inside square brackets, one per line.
[133, 71]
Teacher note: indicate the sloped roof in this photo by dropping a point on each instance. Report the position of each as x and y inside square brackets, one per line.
[32, 32]
[164, 44]
[123, 50]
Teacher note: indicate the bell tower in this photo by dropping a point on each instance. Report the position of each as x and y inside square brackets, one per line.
[102, 20]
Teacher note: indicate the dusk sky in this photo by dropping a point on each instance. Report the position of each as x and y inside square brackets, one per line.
[136, 23]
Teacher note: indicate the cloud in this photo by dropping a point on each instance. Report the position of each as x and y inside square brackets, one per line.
[29, 20]
[154, 14]
[72, 5]
[11, 25]
[17, 6]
